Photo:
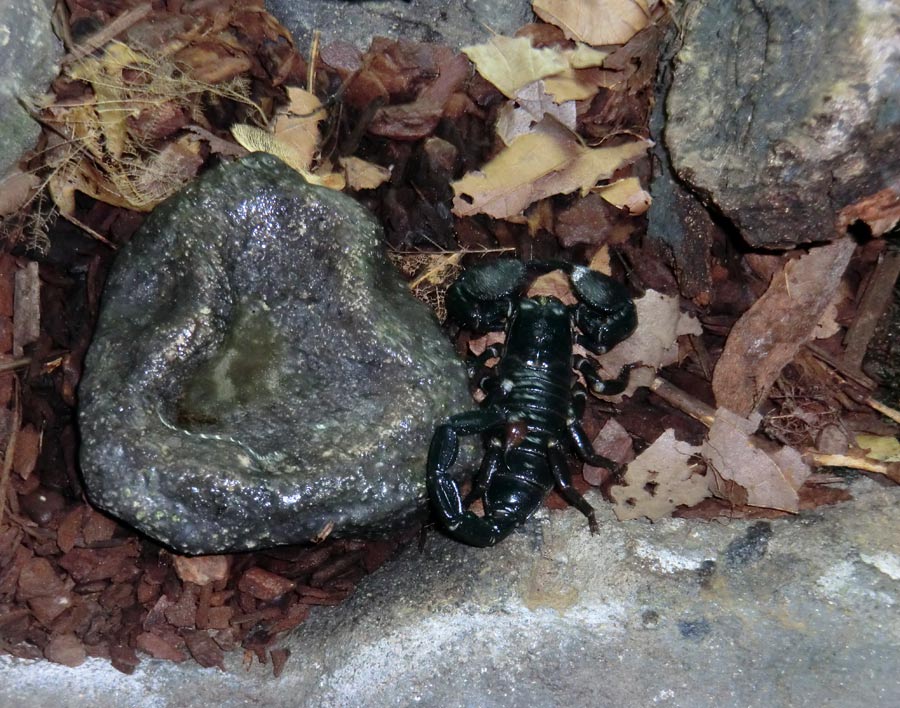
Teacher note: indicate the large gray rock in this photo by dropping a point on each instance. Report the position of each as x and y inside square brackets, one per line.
[260, 371]
[782, 112]
[790, 613]
[29, 53]
[452, 22]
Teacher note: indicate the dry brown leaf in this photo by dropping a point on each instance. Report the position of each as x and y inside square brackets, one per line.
[573, 85]
[536, 166]
[654, 343]
[512, 63]
[505, 185]
[595, 22]
[361, 174]
[660, 479]
[614, 443]
[771, 332]
[531, 104]
[553, 284]
[626, 194]
[298, 127]
[742, 471]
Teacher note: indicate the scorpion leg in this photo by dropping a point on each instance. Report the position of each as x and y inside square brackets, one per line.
[563, 477]
[608, 387]
[579, 438]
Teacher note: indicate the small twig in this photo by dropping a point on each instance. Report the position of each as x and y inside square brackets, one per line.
[81, 225]
[313, 57]
[673, 395]
[10, 454]
[891, 413]
[855, 375]
[874, 302]
[891, 470]
[109, 32]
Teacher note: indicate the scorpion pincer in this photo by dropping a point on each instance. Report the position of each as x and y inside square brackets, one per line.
[533, 400]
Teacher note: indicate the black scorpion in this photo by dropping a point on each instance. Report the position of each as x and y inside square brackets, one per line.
[533, 401]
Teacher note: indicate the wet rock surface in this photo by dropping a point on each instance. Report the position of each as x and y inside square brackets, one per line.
[453, 22]
[29, 52]
[781, 112]
[260, 372]
[790, 612]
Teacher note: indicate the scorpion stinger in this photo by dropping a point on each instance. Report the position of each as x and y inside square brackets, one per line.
[533, 402]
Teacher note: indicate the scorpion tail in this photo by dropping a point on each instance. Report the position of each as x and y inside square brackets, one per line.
[448, 502]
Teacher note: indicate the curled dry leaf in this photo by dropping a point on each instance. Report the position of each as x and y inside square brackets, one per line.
[742, 469]
[596, 22]
[510, 64]
[771, 332]
[660, 479]
[626, 194]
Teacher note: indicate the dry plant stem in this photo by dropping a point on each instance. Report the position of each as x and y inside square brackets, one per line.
[891, 413]
[13, 364]
[71, 219]
[683, 401]
[889, 470]
[313, 57]
[10, 454]
[108, 33]
[855, 375]
[873, 305]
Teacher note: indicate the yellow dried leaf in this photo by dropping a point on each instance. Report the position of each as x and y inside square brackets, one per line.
[880, 447]
[585, 56]
[505, 185]
[298, 129]
[597, 22]
[362, 174]
[589, 166]
[626, 194]
[256, 139]
[536, 166]
[510, 63]
[572, 85]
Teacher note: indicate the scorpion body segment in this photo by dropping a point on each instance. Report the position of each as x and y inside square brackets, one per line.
[533, 402]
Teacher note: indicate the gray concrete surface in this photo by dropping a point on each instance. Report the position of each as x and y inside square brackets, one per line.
[793, 612]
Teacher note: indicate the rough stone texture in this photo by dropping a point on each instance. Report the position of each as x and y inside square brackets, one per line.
[794, 612]
[29, 52]
[782, 112]
[259, 370]
[453, 22]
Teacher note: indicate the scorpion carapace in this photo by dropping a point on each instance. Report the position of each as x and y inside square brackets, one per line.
[533, 400]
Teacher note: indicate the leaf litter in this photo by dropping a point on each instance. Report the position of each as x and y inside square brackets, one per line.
[538, 147]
